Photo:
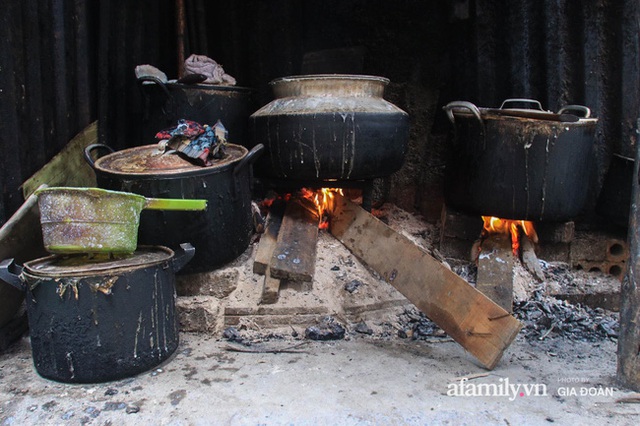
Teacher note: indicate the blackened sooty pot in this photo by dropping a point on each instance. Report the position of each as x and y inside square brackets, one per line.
[165, 103]
[330, 127]
[220, 233]
[519, 163]
[95, 319]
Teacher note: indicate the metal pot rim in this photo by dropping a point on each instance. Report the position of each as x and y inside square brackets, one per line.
[342, 77]
[186, 170]
[488, 115]
[175, 85]
[111, 268]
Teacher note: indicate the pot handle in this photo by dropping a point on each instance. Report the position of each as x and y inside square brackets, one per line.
[157, 81]
[462, 105]
[586, 112]
[91, 148]
[182, 256]
[535, 104]
[10, 273]
[249, 159]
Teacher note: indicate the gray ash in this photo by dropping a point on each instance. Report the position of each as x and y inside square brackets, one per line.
[547, 317]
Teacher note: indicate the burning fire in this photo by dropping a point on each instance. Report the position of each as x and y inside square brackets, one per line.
[494, 225]
[322, 200]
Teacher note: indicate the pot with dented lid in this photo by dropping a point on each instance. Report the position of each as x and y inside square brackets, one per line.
[519, 161]
[97, 318]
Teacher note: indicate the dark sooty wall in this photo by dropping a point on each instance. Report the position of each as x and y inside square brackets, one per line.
[559, 52]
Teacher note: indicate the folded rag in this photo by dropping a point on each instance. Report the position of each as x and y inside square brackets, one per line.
[200, 64]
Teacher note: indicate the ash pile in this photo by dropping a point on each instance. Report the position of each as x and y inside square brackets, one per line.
[542, 315]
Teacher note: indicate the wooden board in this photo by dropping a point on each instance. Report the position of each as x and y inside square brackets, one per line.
[269, 238]
[270, 289]
[294, 256]
[495, 270]
[68, 167]
[482, 327]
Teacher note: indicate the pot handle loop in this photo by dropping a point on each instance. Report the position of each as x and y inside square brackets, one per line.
[585, 111]
[462, 105]
[535, 104]
[170, 108]
[249, 159]
[10, 273]
[182, 256]
[89, 149]
[157, 81]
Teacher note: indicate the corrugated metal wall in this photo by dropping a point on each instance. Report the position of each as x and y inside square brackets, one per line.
[65, 63]
[47, 83]
[559, 52]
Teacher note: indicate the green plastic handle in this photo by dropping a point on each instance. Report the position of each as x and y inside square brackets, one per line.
[174, 204]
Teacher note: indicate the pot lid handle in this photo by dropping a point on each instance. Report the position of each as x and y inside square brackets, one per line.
[89, 149]
[586, 112]
[534, 104]
[462, 105]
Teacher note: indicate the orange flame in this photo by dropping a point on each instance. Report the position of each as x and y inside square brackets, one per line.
[494, 225]
[322, 199]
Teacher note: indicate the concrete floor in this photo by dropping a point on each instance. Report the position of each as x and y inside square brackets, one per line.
[361, 380]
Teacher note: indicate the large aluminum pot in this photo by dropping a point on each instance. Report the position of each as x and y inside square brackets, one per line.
[519, 161]
[330, 127]
[95, 319]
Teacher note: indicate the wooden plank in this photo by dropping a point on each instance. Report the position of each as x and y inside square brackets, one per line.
[270, 289]
[482, 327]
[269, 238]
[294, 257]
[68, 167]
[495, 270]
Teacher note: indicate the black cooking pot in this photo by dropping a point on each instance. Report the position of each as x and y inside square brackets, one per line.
[519, 162]
[220, 233]
[330, 127]
[94, 320]
[165, 103]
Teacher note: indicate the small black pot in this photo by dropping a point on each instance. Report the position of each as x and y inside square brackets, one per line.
[94, 321]
[220, 233]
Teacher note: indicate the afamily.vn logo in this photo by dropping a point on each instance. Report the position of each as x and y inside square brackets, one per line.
[503, 389]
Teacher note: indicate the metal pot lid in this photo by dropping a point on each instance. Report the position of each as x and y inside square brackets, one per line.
[568, 114]
[84, 265]
[147, 160]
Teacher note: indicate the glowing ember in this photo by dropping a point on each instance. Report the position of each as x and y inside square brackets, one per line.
[322, 199]
[494, 225]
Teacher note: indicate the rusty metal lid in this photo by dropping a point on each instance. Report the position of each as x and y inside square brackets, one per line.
[84, 265]
[147, 160]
